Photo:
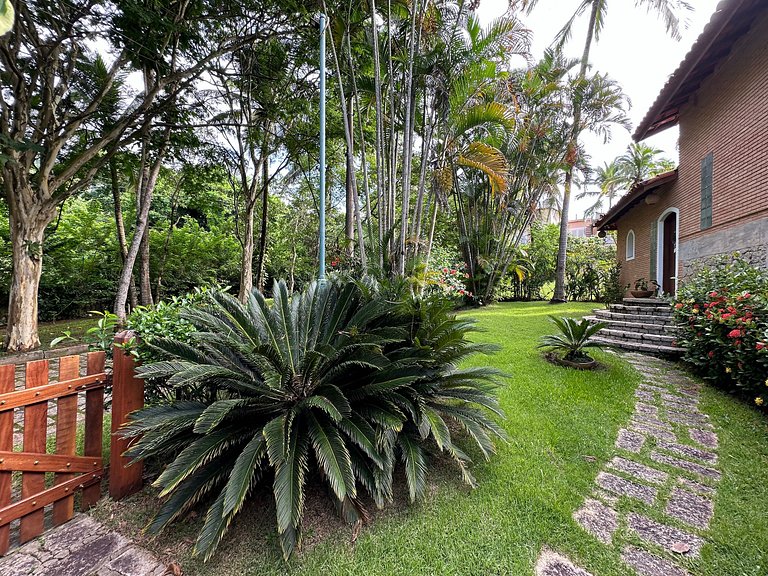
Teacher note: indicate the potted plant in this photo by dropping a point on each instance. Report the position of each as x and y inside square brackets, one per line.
[567, 348]
[641, 289]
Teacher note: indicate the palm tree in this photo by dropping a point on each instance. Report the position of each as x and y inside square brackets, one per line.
[610, 182]
[667, 10]
[641, 162]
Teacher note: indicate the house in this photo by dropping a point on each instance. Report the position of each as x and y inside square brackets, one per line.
[580, 228]
[716, 202]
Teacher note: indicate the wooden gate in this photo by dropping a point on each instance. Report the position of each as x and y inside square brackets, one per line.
[46, 466]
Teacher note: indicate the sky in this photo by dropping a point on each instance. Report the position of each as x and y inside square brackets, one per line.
[634, 49]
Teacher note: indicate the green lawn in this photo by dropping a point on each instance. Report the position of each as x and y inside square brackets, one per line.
[562, 425]
[47, 331]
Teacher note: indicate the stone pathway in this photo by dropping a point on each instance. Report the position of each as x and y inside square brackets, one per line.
[81, 547]
[666, 463]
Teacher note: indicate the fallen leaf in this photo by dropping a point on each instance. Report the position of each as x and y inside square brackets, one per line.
[590, 458]
[174, 569]
[681, 547]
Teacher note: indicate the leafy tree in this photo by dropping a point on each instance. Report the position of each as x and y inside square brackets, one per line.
[55, 130]
[667, 10]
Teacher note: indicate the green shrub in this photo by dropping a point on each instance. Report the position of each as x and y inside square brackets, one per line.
[723, 315]
[574, 338]
[341, 382]
[165, 320]
[590, 269]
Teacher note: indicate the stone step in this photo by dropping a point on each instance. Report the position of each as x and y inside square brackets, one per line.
[640, 346]
[665, 310]
[606, 315]
[627, 335]
[641, 327]
[644, 302]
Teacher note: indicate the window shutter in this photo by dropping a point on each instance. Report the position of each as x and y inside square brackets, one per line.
[654, 242]
[706, 191]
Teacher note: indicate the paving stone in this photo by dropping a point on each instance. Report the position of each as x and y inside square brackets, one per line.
[20, 563]
[638, 470]
[645, 395]
[626, 488]
[598, 519]
[607, 497]
[696, 487]
[690, 508]
[630, 441]
[653, 388]
[689, 451]
[647, 409]
[704, 437]
[651, 421]
[684, 400]
[135, 562]
[647, 564]
[687, 417]
[691, 467]
[664, 536]
[553, 564]
[87, 559]
[657, 433]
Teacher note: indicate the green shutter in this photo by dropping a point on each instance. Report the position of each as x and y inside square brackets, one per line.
[654, 243]
[706, 191]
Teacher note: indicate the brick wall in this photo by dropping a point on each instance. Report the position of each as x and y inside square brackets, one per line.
[728, 117]
[639, 220]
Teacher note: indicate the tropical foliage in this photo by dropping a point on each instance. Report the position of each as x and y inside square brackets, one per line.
[722, 311]
[574, 338]
[342, 383]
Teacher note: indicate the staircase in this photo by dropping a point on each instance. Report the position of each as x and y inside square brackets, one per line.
[639, 324]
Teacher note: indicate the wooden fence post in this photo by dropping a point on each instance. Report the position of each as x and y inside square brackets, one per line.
[127, 396]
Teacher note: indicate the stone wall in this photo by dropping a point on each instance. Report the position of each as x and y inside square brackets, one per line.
[750, 240]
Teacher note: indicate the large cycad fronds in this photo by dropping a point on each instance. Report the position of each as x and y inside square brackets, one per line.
[338, 381]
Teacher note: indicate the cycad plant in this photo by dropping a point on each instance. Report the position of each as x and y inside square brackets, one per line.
[575, 336]
[337, 384]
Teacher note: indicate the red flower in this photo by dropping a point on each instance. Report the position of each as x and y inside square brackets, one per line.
[726, 316]
[713, 293]
[445, 270]
[679, 305]
[711, 354]
[759, 346]
[738, 342]
[453, 271]
[734, 333]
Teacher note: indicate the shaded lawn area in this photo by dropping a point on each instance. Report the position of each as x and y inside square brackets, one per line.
[48, 331]
[562, 426]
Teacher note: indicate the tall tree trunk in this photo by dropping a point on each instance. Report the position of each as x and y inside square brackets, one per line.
[246, 263]
[562, 250]
[27, 235]
[349, 216]
[264, 216]
[573, 147]
[146, 281]
[144, 201]
[120, 227]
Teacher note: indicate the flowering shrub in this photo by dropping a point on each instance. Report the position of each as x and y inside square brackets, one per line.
[447, 277]
[723, 313]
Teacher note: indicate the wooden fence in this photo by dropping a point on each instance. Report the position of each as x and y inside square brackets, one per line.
[42, 422]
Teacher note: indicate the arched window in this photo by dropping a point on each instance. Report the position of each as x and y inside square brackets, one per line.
[631, 245]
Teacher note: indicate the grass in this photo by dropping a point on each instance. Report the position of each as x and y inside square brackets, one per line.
[48, 331]
[562, 425]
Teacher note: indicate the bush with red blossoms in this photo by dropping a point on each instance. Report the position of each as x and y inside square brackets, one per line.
[447, 276]
[722, 311]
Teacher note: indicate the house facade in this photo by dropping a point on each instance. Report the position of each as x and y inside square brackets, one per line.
[716, 202]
